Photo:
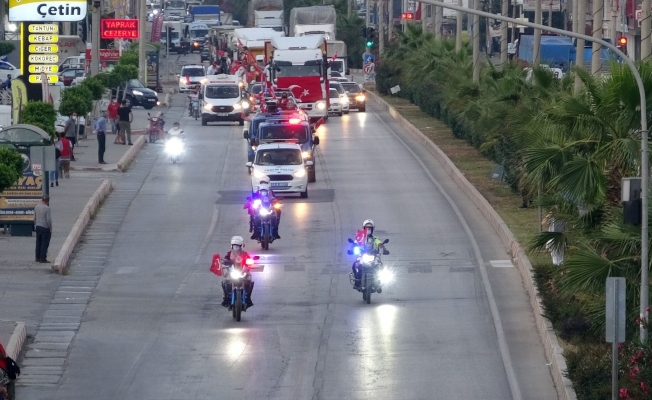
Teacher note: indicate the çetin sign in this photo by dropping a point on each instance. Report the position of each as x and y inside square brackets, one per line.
[46, 11]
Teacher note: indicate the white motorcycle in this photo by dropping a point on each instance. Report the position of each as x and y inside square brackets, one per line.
[175, 145]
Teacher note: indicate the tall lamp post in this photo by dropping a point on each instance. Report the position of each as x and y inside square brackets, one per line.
[645, 169]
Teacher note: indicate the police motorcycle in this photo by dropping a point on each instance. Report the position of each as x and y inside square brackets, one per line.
[175, 144]
[265, 210]
[237, 274]
[373, 274]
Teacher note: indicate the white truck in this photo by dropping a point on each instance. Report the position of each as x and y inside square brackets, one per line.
[299, 67]
[269, 19]
[315, 20]
[174, 10]
[337, 56]
[175, 35]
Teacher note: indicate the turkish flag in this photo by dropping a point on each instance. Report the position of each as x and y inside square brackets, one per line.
[360, 237]
[216, 265]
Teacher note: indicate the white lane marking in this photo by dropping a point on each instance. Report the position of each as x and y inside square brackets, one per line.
[500, 333]
[501, 263]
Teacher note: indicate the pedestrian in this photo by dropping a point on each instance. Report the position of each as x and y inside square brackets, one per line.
[71, 133]
[43, 223]
[112, 109]
[100, 129]
[126, 117]
[212, 69]
[54, 175]
[64, 157]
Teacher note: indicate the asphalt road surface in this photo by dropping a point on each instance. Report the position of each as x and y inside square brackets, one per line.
[154, 328]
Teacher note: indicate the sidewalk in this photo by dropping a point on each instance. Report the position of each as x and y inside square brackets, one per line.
[87, 157]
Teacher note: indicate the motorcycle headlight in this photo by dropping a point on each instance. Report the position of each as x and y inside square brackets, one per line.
[245, 105]
[385, 276]
[321, 105]
[264, 212]
[237, 106]
[256, 203]
[236, 274]
[137, 92]
[367, 258]
[208, 106]
[360, 97]
[356, 250]
[174, 146]
[300, 173]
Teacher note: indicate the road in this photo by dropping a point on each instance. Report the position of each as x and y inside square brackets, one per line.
[154, 327]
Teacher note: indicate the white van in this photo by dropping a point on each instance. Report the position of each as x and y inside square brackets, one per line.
[78, 62]
[222, 99]
[283, 163]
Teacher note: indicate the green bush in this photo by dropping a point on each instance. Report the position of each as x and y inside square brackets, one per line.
[95, 85]
[6, 48]
[76, 99]
[11, 167]
[589, 368]
[40, 114]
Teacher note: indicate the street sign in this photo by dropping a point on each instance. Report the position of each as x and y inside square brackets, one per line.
[40, 38]
[368, 68]
[37, 79]
[43, 58]
[44, 28]
[43, 48]
[119, 28]
[47, 10]
[368, 58]
[48, 69]
[615, 310]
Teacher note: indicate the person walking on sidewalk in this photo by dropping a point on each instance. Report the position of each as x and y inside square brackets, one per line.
[100, 129]
[71, 133]
[43, 223]
[126, 117]
[54, 175]
[64, 157]
[112, 109]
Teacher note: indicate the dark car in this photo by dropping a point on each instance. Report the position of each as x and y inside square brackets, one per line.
[204, 55]
[137, 94]
[357, 98]
[68, 75]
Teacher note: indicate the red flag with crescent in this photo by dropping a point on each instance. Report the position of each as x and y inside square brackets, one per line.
[216, 265]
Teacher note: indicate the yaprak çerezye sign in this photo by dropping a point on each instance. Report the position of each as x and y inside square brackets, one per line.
[47, 11]
[119, 29]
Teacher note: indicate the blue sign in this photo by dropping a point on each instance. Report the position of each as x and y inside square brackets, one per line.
[368, 58]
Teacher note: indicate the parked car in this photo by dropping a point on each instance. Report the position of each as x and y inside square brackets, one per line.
[68, 75]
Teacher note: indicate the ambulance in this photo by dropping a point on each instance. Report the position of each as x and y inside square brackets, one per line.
[222, 99]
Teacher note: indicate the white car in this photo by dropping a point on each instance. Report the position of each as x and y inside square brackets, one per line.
[340, 89]
[285, 166]
[336, 104]
[191, 77]
[342, 79]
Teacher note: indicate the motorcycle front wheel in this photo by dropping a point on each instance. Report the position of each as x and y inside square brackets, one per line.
[237, 310]
[264, 240]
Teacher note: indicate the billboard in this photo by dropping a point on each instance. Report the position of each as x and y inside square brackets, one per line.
[47, 11]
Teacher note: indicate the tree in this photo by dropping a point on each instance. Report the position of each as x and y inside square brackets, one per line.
[77, 99]
[40, 114]
[11, 167]
[6, 48]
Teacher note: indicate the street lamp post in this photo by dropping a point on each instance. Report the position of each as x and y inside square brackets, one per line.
[645, 173]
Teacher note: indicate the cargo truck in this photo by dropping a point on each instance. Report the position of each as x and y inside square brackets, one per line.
[315, 20]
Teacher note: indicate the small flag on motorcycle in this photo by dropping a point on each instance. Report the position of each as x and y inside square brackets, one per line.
[216, 265]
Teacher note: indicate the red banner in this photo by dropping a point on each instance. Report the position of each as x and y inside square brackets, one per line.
[306, 89]
[105, 54]
[119, 28]
[157, 26]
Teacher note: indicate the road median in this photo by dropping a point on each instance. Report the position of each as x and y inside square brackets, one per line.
[128, 157]
[553, 350]
[61, 261]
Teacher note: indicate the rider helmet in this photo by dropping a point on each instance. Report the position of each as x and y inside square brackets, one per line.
[264, 180]
[368, 225]
[237, 243]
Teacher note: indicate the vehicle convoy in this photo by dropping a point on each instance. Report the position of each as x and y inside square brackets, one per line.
[315, 20]
[174, 10]
[299, 67]
[337, 57]
[372, 275]
[191, 76]
[266, 14]
[222, 99]
[207, 14]
[285, 166]
[196, 33]
[175, 35]
[238, 282]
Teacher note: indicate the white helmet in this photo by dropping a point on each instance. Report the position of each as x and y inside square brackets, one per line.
[368, 222]
[263, 186]
[237, 240]
[264, 180]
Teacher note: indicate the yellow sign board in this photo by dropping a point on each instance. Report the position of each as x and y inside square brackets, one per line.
[43, 38]
[44, 28]
[43, 48]
[48, 69]
[37, 79]
[44, 58]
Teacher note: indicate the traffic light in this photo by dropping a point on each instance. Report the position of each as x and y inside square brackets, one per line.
[407, 16]
[622, 41]
[371, 37]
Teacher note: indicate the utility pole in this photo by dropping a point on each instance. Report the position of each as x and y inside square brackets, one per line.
[598, 16]
[2, 22]
[646, 27]
[458, 28]
[95, 37]
[366, 15]
[538, 16]
[381, 28]
[581, 27]
[612, 22]
[142, 42]
[424, 21]
[550, 14]
[503, 34]
[476, 42]
[439, 17]
[390, 20]
[574, 16]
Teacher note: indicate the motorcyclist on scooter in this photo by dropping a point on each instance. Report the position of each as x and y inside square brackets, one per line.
[264, 191]
[371, 245]
[176, 131]
[238, 256]
[193, 96]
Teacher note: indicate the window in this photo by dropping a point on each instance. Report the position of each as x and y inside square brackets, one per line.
[135, 83]
[193, 71]
[279, 157]
[198, 33]
[334, 94]
[429, 11]
[337, 86]
[351, 87]
[284, 132]
[222, 92]
[255, 89]
[285, 70]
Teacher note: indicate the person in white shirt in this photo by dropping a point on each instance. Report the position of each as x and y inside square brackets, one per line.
[212, 69]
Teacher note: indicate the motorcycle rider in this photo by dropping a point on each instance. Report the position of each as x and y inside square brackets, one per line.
[193, 96]
[237, 255]
[264, 190]
[176, 131]
[371, 244]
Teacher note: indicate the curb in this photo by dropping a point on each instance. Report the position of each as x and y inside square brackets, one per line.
[126, 159]
[554, 352]
[59, 265]
[107, 168]
[16, 340]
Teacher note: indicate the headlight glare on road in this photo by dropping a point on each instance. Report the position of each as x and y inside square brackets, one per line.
[174, 146]
[300, 173]
[385, 276]
[344, 99]
[256, 203]
[245, 105]
[306, 154]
